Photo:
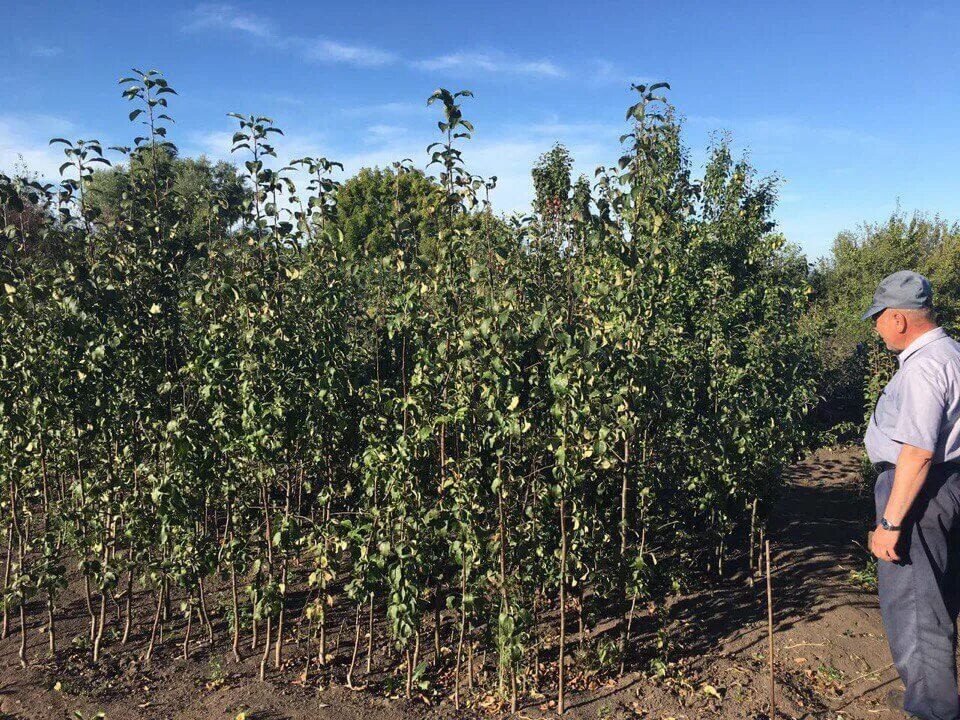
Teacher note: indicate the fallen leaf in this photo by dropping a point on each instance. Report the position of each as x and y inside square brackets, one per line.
[711, 691]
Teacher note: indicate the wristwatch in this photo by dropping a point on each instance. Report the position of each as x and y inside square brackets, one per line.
[885, 524]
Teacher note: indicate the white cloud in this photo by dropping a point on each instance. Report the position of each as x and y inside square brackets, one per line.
[45, 51]
[554, 127]
[491, 63]
[225, 17]
[510, 157]
[208, 16]
[383, 133]
[215, 144]
[786, 132]
[609, 73]
[330, 51]
[387, 108]
[24, 142]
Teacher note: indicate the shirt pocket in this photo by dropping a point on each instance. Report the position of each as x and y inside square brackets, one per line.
[886, 411]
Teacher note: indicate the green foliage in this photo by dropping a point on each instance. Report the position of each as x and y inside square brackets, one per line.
[364, 210]
[855, 364]
[382, 394]
[206, 196]
[551, 182]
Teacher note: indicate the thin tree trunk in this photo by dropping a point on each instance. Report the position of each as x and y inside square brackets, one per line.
[165, 592]
[624, 487]
[773, 697]
[102, 621]
[203, 613]
[186, 632]
[626, 644]
[561, 676]
[370, 634]
[408, 688]
[336, 645]
[236, 611]
[51, 627]
[463, 626]
[356, 645]
[469, 661]
[278, 647]
[89, 600]
[127, 609]
[253, 615]
[6, 582]
[580, 628]
[153, 629]
[103, 601]
[266, 648]
[323, 633]
[412, 662]
[23, 633]
[502, 532]
[437, 601]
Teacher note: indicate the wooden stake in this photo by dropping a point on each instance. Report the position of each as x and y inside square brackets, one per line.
[773, 698]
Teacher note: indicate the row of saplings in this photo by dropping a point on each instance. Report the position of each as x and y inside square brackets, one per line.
[447, 435]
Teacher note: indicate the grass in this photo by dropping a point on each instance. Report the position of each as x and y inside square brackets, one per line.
[866, 578]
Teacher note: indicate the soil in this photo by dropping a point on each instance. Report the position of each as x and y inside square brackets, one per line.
[831, 658]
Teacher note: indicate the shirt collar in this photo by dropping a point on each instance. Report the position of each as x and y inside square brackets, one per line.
[921, 342]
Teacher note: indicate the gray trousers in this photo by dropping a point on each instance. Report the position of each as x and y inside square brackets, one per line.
[919, 595]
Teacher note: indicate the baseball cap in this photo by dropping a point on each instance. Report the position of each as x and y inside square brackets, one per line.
[904, 290]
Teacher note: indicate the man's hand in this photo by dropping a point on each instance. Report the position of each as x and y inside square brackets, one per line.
[913, 464]
[883, 544]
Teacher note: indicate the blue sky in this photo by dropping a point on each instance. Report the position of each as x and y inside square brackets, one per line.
[856, 106]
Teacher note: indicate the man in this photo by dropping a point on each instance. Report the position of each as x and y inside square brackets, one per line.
[913, 439]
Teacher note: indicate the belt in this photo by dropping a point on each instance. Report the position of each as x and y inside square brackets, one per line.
[950, 467]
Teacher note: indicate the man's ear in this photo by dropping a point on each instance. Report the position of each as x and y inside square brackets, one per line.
[901, 321]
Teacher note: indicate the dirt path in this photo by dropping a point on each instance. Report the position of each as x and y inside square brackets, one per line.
[831, 656]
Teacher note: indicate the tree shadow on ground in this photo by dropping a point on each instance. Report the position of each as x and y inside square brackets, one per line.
[817, 534]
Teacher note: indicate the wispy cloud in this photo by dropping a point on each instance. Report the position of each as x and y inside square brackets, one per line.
[387, 108]
[45, 51]
[330, 51]
[605, 72]
[490, 62]
[216, 144]
[382, 133]
[778, 130]
[569, 130]
[208, 17]
[225, 17]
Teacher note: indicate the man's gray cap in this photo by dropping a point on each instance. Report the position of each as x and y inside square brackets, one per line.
[903, 290]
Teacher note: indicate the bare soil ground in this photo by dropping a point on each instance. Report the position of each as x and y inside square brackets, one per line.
[831, 656]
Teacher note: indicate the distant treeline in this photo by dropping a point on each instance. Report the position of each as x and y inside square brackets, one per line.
[854, 362]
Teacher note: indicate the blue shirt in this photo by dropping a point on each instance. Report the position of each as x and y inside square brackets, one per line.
[920, 406]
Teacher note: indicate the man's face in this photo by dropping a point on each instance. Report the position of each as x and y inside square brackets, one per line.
[890, 325]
